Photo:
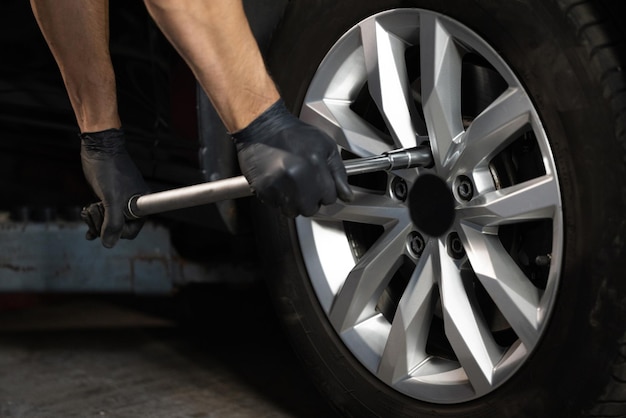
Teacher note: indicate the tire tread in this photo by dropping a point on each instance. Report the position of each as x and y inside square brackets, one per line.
[602, 41]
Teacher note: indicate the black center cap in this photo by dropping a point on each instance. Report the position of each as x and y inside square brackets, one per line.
[431, 205]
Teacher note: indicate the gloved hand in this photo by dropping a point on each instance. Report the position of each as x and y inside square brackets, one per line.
[114, 178]
[290, 164]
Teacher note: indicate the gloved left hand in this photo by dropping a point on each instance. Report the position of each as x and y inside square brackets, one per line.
[115, 179]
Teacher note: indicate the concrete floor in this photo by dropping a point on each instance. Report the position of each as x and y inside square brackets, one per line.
[214, 354]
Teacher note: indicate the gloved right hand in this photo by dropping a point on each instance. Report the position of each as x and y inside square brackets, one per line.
[290, 164]
[114, 178]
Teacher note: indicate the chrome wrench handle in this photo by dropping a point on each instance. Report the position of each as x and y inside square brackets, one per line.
[236, 187]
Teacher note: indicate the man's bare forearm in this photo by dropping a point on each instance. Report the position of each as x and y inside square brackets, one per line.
[215, 40]
[77, 32]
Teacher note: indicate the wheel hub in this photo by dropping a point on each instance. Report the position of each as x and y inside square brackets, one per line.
[431, 205]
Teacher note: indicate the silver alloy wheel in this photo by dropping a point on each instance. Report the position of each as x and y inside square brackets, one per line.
[451, 318]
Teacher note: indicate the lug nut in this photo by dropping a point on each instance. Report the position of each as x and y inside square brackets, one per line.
[455, 246]
[416, 244]
[399, 189]
[465, 189]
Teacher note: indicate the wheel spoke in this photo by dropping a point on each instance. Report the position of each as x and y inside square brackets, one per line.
[466, 329]
[388, 81]
[531, 200]
[351, 133]
[490, 132]
[368, 208]
[358, 296]
[441, 63]
[406, 344]
[510, 289]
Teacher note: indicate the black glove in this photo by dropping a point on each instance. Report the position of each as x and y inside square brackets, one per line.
[290, 164]
[114, 178]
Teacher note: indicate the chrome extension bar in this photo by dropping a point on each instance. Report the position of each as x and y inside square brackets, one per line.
[237, 187]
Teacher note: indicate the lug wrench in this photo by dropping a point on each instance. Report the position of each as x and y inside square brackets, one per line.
[237, 187]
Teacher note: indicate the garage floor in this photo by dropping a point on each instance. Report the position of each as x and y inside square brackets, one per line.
[213, 354]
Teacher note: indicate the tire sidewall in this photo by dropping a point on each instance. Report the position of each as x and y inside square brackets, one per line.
[569, 368]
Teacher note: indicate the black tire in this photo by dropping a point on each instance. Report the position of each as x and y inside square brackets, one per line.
[565, 55]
